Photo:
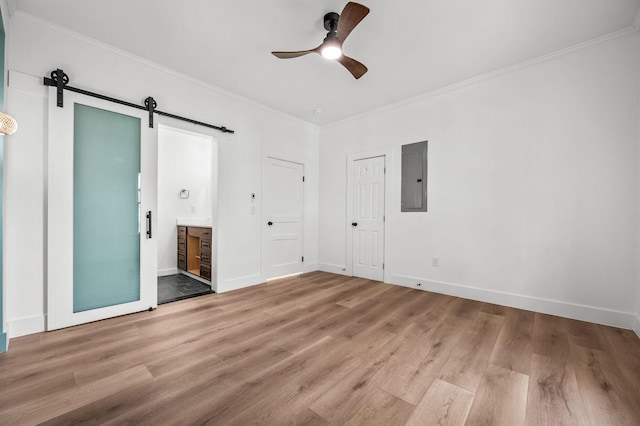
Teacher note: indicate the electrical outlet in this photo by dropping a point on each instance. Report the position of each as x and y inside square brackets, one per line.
[435, 262]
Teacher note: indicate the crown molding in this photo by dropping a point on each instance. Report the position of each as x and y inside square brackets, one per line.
[159, 67]
[511, 68]
[7, 7]
[11, 7]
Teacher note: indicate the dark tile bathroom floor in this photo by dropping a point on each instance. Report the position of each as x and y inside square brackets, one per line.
[178, 287]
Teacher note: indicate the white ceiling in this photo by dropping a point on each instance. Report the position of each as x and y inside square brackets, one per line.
[410, 47]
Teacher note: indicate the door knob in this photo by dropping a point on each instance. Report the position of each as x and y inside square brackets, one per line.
[269, 223]
[354, 223]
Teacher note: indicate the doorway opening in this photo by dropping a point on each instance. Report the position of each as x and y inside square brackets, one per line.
[187, 199]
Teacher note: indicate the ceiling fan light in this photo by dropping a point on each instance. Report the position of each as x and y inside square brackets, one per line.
[331, 52]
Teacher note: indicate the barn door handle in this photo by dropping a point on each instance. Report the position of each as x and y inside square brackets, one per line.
[149, 224]
[269, 223]
[354, 223]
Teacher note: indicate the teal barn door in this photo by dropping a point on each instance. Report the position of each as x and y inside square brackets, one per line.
[102, 174]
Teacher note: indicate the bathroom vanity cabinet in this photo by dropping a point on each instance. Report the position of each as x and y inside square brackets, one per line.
[194, 250]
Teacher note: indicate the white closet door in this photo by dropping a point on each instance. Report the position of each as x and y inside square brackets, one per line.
[368, 221]
[283, 216]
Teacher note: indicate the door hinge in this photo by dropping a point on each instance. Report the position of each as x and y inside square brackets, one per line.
[384, 218]
[383, 266]
[303, 258]
[303, 178]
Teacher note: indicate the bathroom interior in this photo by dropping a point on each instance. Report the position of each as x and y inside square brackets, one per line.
[187, 185]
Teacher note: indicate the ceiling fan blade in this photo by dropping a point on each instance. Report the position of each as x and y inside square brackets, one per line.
[351, 16]
[289, 55]
[356, 68]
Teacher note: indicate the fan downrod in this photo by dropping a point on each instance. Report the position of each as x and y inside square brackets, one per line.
[331, 21]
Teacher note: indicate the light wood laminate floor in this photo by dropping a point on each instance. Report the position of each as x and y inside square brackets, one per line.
[325, 349]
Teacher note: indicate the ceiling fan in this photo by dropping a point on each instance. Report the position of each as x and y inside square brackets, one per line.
[339, 27]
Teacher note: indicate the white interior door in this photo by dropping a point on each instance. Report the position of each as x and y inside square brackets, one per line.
[368, 218]
[283, 203]
[102, 177]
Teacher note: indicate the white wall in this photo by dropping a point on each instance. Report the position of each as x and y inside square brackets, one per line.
[532, 186]
[185, 161]
[34, 49]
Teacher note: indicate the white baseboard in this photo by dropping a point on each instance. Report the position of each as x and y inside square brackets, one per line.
[254, 279]
[167, 272]
[310, 268]
[23, 326]
[545, 306]
[334, 269]
[636, 325]
[240, 282]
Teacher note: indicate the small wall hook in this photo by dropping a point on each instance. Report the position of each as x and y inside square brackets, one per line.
[184, 194]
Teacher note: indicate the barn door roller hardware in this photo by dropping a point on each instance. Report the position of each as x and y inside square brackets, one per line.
[60, 81]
